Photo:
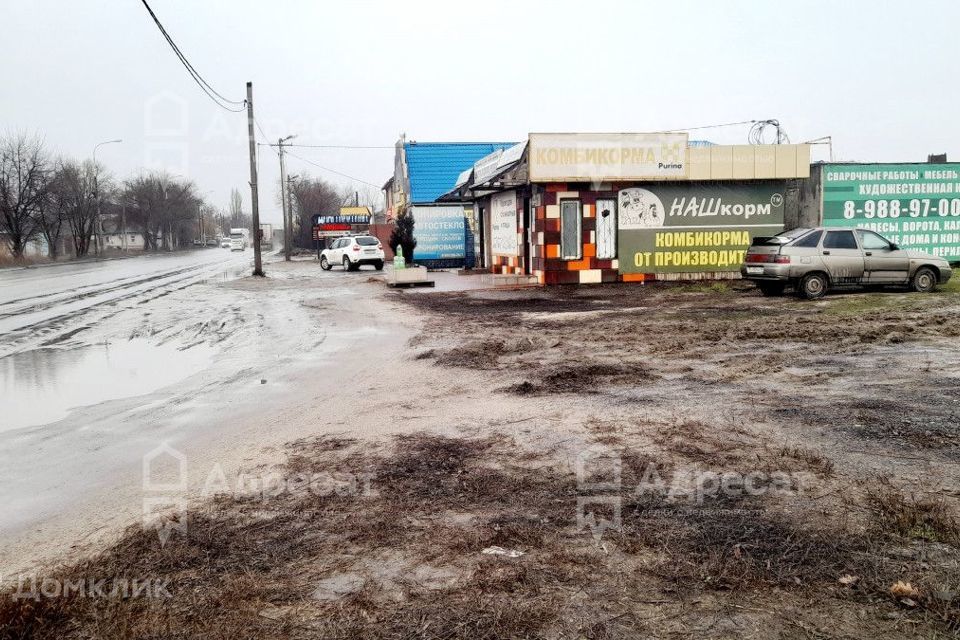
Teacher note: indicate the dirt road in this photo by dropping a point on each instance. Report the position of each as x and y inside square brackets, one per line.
[595, 462]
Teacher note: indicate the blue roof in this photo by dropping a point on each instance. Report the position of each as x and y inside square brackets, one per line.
[433, 167]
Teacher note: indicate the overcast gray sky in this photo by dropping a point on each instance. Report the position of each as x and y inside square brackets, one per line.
[880, 77]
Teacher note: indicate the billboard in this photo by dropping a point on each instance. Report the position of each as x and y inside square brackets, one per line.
[503, 224]
[694, 228]
[914, 205]
[440, 233]
[600, 157]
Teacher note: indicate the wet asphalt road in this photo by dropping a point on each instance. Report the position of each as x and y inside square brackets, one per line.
[103, 362]
[40, 303]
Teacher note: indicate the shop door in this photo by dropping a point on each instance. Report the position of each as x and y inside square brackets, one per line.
[606, 229]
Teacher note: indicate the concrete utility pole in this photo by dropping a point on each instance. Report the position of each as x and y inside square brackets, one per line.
[290, 207]
[287, 231]
[257, 264]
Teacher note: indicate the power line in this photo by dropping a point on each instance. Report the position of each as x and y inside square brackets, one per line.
[711, 126]
[207, 88]
[339, 146]
[265, 137]
[343, 175]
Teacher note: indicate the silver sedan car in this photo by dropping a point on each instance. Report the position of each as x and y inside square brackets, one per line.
[816, 260]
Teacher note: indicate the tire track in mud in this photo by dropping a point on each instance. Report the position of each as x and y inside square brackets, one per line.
[37, 303]
[51, 330]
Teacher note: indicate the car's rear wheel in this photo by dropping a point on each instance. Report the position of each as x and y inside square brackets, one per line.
[924, 280]
[324, 263]
[813, 286]
[771, 288]
[378, 265]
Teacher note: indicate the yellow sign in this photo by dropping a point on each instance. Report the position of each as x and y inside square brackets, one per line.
[355, 211]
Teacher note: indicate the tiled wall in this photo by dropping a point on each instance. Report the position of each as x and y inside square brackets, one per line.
[548, 266]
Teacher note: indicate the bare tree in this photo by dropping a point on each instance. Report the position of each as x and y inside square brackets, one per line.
[314, 196]
[77, 188]
[236, 209]
[54, 210]
[23, 178]
[162, 208]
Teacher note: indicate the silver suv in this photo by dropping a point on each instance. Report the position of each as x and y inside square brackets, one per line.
[815, 260]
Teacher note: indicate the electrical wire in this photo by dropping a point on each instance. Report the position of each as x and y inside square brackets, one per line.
[755, 136]
[338, 146]
[265, 137]
[213, 94]
[711, 126]
[343, 175]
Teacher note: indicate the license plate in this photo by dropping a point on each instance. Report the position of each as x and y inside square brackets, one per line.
[755, 270]
[368, 251]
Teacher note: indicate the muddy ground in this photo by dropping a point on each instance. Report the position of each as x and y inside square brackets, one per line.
[768, 468]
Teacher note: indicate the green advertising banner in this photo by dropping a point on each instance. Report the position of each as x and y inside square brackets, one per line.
[915, 205]
[694, 228]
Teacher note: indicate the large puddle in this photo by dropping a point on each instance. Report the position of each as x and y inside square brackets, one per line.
[42, 386]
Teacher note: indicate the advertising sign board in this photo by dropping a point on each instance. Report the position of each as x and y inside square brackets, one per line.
[599, 157]
[440, 233]
[688, 228]
[503, 224]
[916, 206]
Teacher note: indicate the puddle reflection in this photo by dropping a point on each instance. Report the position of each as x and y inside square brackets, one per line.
[43, 385]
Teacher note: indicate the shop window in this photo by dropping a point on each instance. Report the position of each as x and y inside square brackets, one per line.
[607, 229]
[571, 244]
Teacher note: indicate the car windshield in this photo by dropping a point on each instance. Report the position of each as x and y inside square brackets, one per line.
[367, 241]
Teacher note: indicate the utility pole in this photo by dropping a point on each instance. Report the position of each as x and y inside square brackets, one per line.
[290, 207]
[257, 265]
[287, 231]
[283, 202]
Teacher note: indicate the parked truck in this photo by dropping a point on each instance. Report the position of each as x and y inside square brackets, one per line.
[266, 236]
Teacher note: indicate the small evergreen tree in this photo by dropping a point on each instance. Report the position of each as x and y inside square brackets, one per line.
[402, 237]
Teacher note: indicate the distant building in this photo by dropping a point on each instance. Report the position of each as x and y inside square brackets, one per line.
[422, 173]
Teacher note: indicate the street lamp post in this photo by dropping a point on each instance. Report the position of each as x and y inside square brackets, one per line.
[96, 193]
[287, 231]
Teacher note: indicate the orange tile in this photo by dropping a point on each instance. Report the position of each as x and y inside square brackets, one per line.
[577, 265]
[589, 250]
[634, 277]
[553, 251]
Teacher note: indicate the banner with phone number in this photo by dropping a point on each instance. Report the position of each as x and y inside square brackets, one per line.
[914, 205]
